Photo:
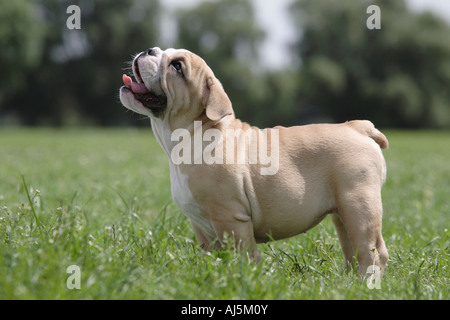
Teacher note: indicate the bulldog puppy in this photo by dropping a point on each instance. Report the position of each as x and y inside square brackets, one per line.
[255, 185]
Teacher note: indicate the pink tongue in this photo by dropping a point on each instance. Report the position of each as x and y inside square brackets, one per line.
[135, 87]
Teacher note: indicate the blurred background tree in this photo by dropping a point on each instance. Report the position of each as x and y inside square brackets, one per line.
[21, 46]
[398, 76]
[74, 75]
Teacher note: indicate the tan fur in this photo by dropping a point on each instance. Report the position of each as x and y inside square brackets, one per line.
[323, 169]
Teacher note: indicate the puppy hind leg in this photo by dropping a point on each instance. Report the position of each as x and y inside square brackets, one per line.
[361, 214]
[383, 254]
[346, 245]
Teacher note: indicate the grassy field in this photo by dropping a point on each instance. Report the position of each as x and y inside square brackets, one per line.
[100, 200]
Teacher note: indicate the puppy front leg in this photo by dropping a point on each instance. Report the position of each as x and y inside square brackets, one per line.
[206, 242]
[240, 228]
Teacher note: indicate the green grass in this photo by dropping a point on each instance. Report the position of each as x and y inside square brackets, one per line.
[100, 199]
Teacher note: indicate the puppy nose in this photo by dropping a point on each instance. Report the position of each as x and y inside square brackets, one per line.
[152, 51]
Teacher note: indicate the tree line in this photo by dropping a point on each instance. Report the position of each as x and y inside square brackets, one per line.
[397, 76]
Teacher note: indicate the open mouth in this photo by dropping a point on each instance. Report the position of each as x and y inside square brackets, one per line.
[155, 103]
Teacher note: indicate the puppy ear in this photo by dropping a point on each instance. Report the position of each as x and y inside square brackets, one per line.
[218, 105]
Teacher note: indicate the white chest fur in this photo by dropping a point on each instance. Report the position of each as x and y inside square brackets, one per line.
[181, 193]
[183, 198]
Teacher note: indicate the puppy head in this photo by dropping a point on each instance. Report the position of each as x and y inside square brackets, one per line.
[174, 85]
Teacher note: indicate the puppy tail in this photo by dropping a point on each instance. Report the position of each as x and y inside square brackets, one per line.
[367, 128]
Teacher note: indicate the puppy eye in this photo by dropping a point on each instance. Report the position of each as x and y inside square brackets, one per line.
[178, 67]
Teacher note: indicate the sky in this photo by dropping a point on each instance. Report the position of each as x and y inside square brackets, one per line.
[274, 18]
